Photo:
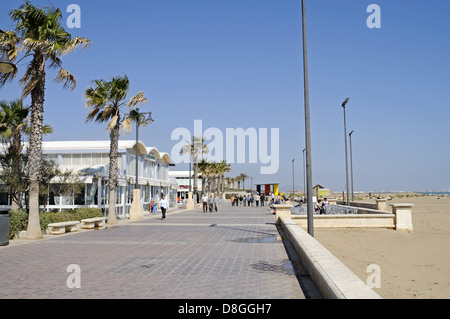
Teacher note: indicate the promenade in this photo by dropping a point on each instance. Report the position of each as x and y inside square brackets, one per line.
[236, 253]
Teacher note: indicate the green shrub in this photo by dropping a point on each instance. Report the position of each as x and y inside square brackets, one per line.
[18, 222]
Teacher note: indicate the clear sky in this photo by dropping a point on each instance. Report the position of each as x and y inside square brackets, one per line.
[238, 63]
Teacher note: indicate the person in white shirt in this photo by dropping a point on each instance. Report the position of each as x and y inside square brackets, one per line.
[205, 203]
[163, 204]
[257, 199]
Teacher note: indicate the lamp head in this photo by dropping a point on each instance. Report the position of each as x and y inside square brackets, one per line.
[6, 66]
[345, 102]
[149, 120]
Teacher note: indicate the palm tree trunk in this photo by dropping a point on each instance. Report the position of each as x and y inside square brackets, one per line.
[203, 184]
[112, 219]
[113, 173]
[35, 148]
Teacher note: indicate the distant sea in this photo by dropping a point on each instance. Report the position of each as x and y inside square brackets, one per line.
[434, 193]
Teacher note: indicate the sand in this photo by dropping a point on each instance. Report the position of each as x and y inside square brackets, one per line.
[413, 265]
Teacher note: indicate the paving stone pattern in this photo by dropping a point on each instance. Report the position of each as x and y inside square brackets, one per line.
[233, 254]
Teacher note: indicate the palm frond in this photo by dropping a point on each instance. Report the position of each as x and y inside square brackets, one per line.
[68, 80]
[112, 123]
[126, 126]
[74, 44]
[139, 99]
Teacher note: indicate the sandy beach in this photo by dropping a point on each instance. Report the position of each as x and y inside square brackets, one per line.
[413, 265]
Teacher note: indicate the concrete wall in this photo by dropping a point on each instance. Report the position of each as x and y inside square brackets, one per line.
[332, 277]
[399, 219]
[350, 221]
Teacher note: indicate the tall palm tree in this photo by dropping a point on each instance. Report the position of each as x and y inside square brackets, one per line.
[40, 34]
[106, 100]
[194, 148]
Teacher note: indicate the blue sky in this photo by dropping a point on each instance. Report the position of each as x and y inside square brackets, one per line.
[238, 63]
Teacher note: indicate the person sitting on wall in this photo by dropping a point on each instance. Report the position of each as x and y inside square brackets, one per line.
[319, 208]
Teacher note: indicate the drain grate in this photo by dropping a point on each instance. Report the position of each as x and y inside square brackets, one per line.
[285, 267]
[257, 240]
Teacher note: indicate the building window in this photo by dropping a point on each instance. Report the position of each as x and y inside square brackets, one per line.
[86, 159]
[66, 159]
[96, 159]
[76, 159]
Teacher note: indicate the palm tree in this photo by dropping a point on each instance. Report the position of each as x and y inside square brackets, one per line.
[14, 118]
[194, 148]
[106, 100]
[224, 168]
[238, 180]
[203, 166]
[40, 34]
[215, 173]
[13, 121]
[243, 177]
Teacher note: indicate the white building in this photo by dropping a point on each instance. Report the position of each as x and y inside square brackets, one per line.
[90, 160]
[183, 181]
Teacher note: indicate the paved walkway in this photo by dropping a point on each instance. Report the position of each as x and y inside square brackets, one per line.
[234, 254]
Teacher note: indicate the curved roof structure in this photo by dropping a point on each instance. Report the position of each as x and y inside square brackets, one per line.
[68, 146]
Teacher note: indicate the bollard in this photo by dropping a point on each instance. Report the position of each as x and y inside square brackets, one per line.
[403, 216]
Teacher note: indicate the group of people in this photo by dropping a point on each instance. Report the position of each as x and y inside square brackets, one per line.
[209, 203]
[320, 206]
[248, 200]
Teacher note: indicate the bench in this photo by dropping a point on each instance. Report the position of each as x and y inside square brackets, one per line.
[91, 223]
[62, 228]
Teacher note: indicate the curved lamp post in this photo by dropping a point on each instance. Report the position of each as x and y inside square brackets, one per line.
[346, 159]
[6, 66]
[140, 121]
[309, 200]
[351, 163]
[136, 211]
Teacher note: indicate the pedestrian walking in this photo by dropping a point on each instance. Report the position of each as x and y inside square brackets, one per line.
[263, 198]
[257, 199]
[216, 201]
[205, 203]
[211, 203]
[164, 204]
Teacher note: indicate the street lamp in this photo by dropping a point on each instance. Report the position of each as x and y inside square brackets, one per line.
[136, 211]
[310, 212]
[6, 66]
[293, 179]
[346, 159]
[351, 163]
[140, 121]
[304, 173]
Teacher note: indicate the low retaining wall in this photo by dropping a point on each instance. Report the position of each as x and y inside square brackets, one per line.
[332, 277]
[399, 219]
[350, 221]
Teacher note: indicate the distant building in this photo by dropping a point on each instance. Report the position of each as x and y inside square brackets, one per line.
[90, 160]
[183, 182]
